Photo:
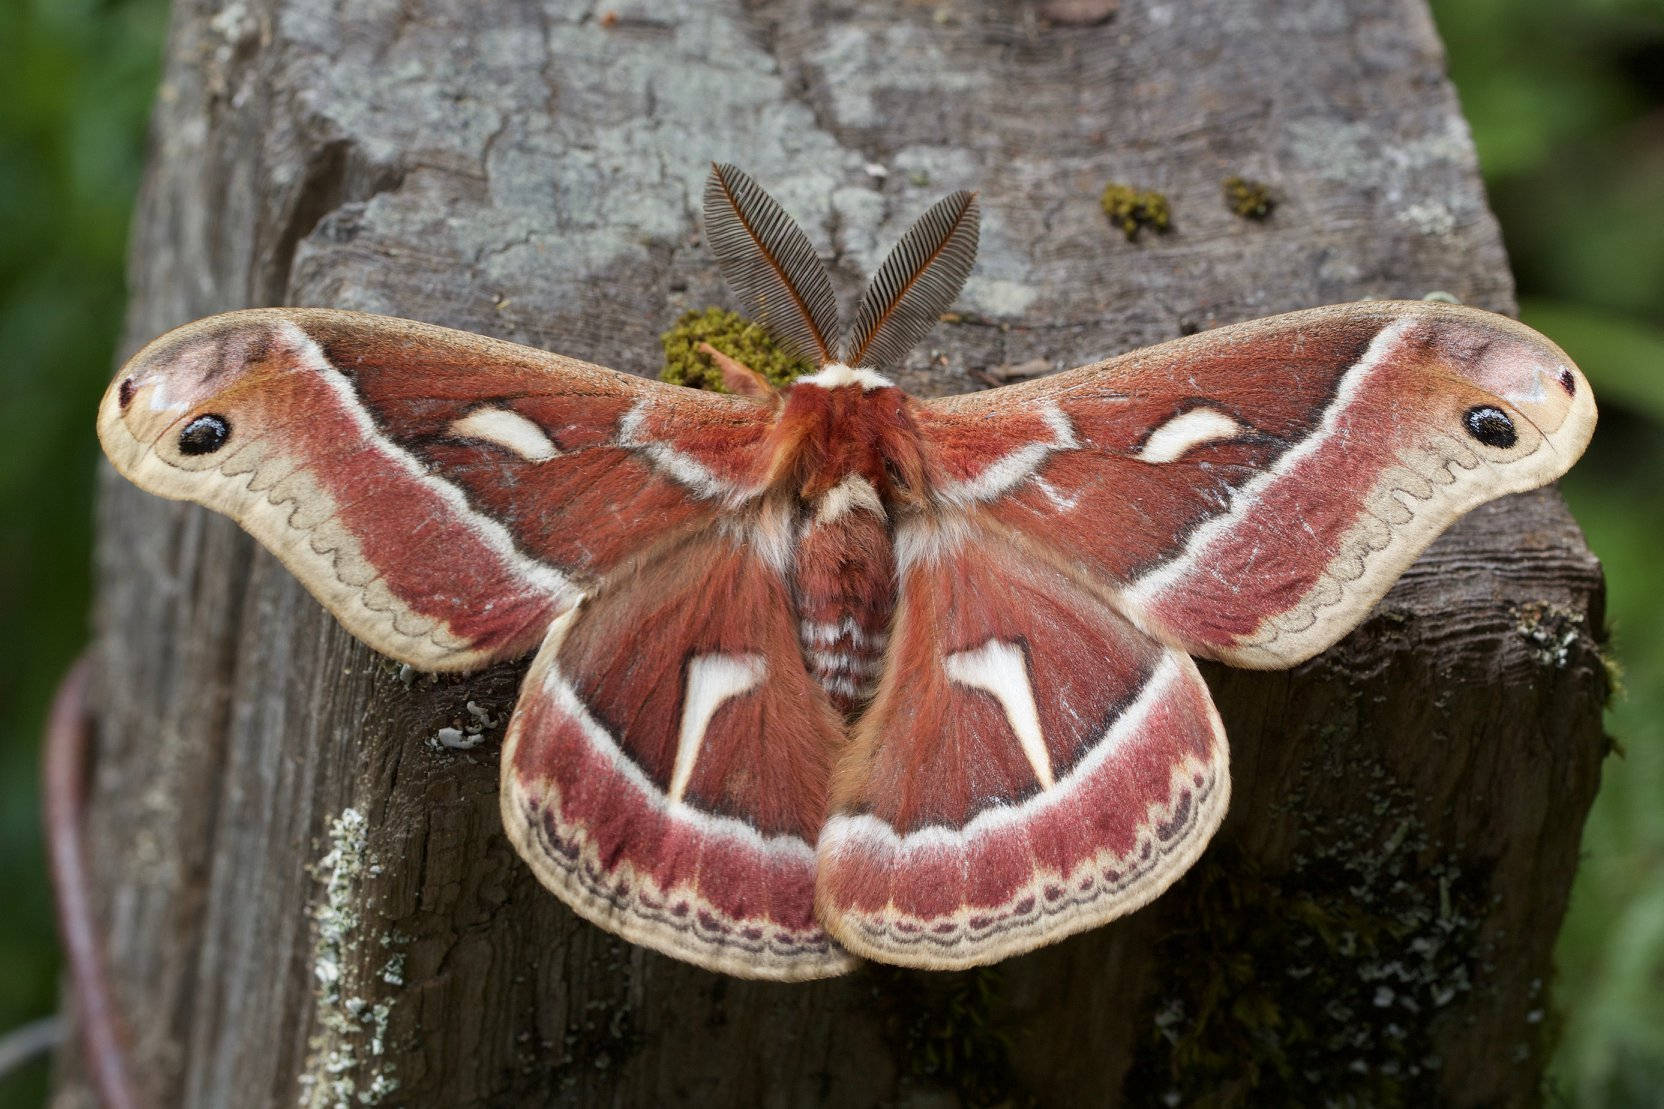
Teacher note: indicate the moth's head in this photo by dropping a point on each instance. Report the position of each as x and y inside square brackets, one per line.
[1545, 399]
[191, 397]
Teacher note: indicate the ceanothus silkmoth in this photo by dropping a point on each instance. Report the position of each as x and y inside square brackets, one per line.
[835, 672]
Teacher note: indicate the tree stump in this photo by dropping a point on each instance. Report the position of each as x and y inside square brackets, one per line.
[306, 900]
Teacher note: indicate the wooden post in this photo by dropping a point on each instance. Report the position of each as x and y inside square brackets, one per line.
[308, 901]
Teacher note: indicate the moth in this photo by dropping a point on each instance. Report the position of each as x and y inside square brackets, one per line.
[833, 672]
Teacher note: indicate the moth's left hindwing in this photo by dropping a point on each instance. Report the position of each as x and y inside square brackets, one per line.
[445, 495]
[666, 768]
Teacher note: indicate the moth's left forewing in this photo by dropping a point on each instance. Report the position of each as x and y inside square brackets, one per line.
[1248, 493]
[445, 495]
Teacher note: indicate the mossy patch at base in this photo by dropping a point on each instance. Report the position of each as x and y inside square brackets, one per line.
[733, 335]
[1319, 985]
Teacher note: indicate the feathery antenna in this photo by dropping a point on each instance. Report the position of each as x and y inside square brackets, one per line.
[917, 282]
[768, 261]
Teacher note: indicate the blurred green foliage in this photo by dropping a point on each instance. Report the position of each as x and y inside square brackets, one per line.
[1566, 100]
[76, 81]
[1567, 108]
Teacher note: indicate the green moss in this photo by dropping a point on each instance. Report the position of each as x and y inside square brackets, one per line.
[1248, 199]
[734, 336]
[943, 1033]
[1319, 985]
[1131, 209]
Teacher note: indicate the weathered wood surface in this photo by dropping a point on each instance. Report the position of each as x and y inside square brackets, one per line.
[1374, 921]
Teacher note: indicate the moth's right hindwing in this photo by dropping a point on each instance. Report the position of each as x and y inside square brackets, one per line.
[1033, 765]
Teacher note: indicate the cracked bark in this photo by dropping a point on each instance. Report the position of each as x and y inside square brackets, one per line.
[1407, 807]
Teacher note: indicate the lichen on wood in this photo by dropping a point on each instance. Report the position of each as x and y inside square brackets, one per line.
[348, 1062]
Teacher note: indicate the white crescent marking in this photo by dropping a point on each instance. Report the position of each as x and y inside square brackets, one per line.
[509, 430]
[1191, 429]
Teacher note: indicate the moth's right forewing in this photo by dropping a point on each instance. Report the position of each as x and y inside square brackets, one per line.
[1248, 493]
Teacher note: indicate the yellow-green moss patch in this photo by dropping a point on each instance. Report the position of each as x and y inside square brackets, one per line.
[733, 335]
[1132, 209]
[1249, 199]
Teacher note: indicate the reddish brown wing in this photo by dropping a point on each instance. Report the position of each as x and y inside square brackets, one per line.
[1033, 765]
[452, 499]
[1248, 493]
[666, 768]
[445, 495]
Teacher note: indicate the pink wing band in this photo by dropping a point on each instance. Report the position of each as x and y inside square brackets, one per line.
[709, 889]
[1109, 836]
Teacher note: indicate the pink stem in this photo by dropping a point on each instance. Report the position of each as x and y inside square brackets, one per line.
[65, 783]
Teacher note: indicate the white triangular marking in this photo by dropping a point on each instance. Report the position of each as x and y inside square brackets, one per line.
[712, 679]
[1000, 669]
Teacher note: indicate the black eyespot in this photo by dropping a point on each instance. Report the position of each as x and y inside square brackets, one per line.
[1490, 426]
[204, 435]
[125, 393]
[1567, 380]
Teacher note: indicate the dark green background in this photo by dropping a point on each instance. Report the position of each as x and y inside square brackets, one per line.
[1566, 99]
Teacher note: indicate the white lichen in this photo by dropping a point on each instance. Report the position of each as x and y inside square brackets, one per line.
[1429, 217]
[351, 1029]
[1551, 631]
[466, 734]
[456, 739]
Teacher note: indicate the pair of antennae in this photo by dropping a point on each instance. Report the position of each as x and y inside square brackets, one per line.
[768, 261]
